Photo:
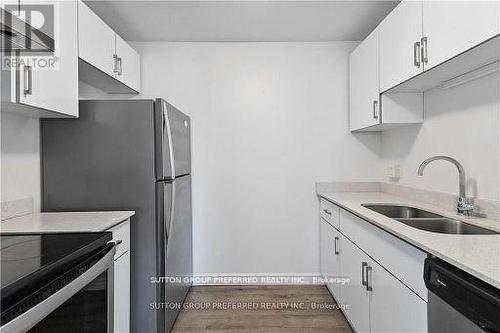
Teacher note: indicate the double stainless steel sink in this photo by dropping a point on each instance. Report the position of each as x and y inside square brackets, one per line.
[424, 220]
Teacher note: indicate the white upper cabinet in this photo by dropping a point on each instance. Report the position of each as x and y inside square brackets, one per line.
[56, 89]
[452, 27]
[400, 44]
[129, 64]
[45, 84]
[96, 41]
[394, 65]
[364, 104]
[106, 61]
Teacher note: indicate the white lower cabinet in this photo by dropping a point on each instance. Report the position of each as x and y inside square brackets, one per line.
[122, 295]
[355, 296]
[373, 299]
[394, 307]
[330, 257]
[121, 280]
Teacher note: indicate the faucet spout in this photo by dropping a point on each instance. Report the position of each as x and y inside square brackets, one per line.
[463, 204]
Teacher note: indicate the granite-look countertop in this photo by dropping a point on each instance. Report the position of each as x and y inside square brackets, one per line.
[478, 255]
[65, 221]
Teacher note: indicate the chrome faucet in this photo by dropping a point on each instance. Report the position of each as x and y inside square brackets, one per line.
[464, 204]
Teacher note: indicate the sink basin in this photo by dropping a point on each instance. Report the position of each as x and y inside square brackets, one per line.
[395, 212]
[446, 226]
[424, 220]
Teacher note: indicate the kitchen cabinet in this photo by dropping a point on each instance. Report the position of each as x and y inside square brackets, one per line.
[330, 247]
[354, 293]
[368, 109]
[96, 41]
[364, 103]
[400, 36]
[403, 260]
[121, 309]
[122, 296]
[378, 302]
[129, 64]
[106, 61]
[330, 213]
[390, 304]
[398, 61]
[385, 275]
[452, 27]
[45, 84]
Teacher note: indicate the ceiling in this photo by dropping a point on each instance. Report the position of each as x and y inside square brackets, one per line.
[242, 21]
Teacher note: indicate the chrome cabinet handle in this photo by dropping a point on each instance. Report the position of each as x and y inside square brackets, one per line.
[115, 63]
[375, 109]
[416, 54]
[28, 80]
[327, 212]
[424, 50]
[336, 239]
[119, 60]
[363, 266]
[369, 283]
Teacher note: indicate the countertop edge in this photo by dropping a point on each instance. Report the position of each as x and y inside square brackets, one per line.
[409, 240]
[18, 224]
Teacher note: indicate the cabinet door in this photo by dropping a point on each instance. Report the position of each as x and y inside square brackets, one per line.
[129, 63]
[394, 307]
[364, 84]
[336, 273]
[96, 41]
[399, 31]
[452, 27]
[354, 293]
[330, 240]
[50, 80]
[121, 305]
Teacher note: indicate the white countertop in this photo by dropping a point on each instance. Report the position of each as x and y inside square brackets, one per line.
[65, 221]
[478, 255]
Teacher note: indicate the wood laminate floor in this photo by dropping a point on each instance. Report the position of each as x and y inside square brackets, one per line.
[260, 309]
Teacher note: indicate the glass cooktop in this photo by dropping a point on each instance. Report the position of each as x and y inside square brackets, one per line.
[30, 259]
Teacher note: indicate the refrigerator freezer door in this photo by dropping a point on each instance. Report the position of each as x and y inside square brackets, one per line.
[173, 142]
[179, 262]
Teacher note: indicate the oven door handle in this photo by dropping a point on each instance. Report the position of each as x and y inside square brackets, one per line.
[30, 318]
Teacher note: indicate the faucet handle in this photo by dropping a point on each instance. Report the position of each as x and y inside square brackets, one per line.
[465, 206]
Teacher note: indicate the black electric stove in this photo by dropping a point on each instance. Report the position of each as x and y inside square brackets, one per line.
[30, 262]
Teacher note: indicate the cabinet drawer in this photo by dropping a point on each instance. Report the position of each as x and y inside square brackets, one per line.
[121, 232]
[330, 212]
[403, 260]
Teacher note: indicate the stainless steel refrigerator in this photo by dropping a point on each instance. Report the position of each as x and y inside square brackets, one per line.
[130, 155]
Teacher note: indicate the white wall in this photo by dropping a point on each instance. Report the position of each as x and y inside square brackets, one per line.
[463, 122]
[268, 121]
[20, 158]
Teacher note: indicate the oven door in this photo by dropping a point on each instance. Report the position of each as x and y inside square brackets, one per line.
[83, 305]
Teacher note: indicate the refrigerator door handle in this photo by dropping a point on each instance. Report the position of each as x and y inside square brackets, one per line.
[166, 126]
[171, 217]
[167, 235]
